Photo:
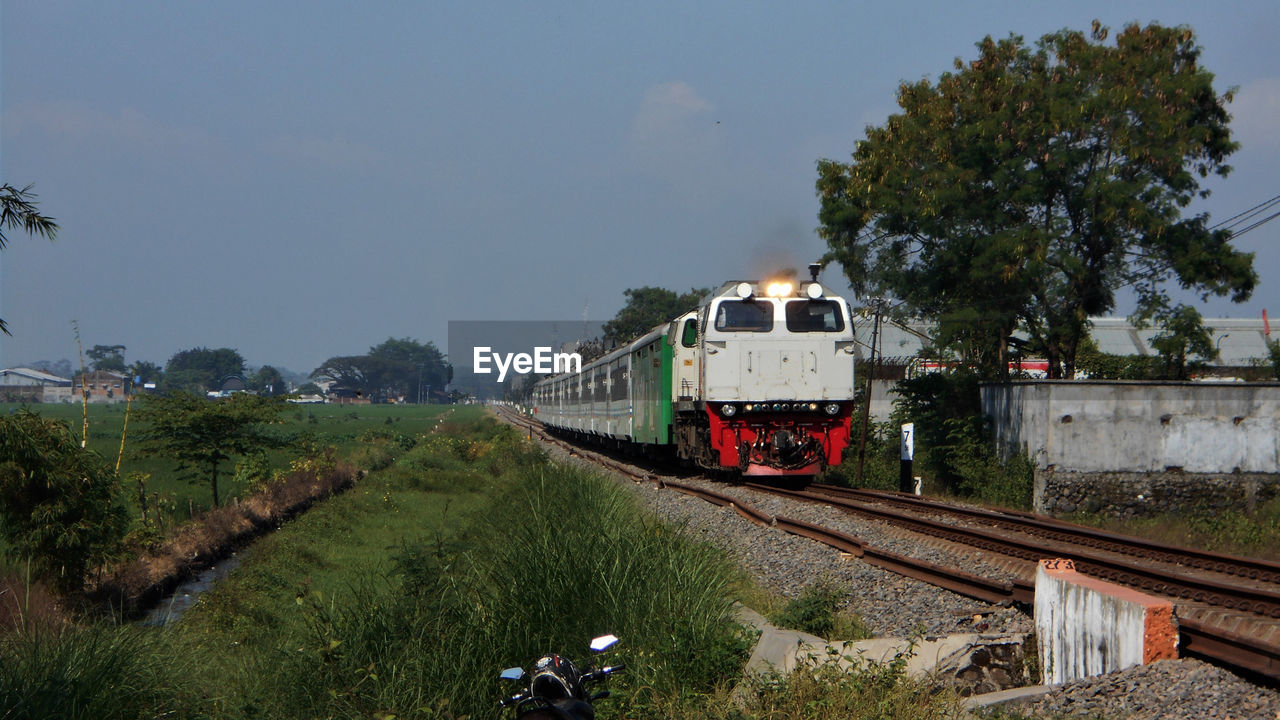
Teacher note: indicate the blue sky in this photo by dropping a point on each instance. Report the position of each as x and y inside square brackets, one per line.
[301, 180]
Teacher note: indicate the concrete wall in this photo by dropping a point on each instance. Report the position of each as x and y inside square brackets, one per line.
[1132, 447]
[1087, 627]
[882, 399]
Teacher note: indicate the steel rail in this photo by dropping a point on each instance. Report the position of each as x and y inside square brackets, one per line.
[1163, 582]
[1245, 567]
[1227, 647]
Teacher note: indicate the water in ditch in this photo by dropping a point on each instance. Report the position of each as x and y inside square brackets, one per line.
[171, 608]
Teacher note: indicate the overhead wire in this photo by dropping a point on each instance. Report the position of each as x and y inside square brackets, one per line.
[1241, 217]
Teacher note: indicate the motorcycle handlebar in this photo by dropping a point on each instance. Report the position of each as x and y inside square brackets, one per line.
[595, 675]
[513, 700]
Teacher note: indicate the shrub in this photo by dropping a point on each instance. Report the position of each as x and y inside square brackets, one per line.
[59, 503]
[818, 611]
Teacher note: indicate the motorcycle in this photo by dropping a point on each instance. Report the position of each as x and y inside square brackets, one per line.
[556, 689]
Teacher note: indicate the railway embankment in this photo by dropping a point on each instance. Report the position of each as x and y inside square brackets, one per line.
[788, 563]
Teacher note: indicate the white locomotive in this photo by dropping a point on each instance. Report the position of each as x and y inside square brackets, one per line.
[757, 379]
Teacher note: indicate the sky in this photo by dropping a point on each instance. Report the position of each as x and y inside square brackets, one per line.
[299, 180]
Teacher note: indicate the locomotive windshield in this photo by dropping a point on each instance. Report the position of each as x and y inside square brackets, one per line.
[805, 316]
[744, 316]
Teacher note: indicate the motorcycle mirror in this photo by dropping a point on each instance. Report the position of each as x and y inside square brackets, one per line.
[604, 642]
[512, 673]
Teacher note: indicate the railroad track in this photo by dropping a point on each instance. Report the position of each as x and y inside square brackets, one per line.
[1227, 606]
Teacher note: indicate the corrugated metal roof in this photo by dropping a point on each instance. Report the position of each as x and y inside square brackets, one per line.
[1240, 341]
[35, 375]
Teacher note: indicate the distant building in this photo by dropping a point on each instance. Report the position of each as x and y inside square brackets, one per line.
[1241, 342]
[33, 386]
[102, 386]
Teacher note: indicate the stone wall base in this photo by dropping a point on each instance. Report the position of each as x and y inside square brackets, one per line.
[1136, 494]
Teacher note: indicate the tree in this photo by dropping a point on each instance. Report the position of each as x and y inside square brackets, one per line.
[410, 365]
[1026, 187]
[200, 434]
[268, 381]
[647, 308]
[1182, 333]
[392, 368]
[148, 371]
[200, 369]
[59, 503]
[18, 212]
[107, 357]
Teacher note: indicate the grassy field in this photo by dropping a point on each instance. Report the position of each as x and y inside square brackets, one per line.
[337, 425]
[404, 596]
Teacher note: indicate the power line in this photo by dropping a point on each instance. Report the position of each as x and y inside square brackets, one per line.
[1263, 221]
[1242, 217]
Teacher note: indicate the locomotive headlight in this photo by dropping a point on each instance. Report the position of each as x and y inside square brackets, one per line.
[814, 291]
[778, 289]
[728, 409]
[831, 408]
[744, 290]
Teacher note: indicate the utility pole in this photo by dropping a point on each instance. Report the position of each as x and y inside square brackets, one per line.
[866, 401]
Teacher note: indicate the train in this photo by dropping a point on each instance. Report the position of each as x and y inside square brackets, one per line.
[758, 380]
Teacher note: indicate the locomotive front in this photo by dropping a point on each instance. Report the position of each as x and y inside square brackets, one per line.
[763, 378]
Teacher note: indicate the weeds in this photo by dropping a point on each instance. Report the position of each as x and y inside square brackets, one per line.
[835, 687]
[97, 673]
[821, 611]
[1237, 532]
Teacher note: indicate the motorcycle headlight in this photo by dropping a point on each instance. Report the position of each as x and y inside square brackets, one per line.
[832, 408]
[728, 409]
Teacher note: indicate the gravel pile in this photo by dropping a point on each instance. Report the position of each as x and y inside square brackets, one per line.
[1166, 689]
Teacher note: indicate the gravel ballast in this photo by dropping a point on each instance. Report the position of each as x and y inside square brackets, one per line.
[893, 605]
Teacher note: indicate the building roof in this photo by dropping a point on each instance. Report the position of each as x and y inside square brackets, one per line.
[34, 375]
[1240, 341]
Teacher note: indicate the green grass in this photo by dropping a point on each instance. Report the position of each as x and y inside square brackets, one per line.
[1237, 532]
[404, 597]
[342, 426]
[100, 672]
[411, 591]
[822, 610]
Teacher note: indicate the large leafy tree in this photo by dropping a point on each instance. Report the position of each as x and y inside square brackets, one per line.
[409, 363]
[59, 503]
[268, 381]
[107, 357]
[148, 371]
[1027, 186]
[648, 307]
[201, 434]
[396, 367]
[199, 369]
[18, 211]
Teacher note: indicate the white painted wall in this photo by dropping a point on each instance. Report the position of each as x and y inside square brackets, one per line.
[1081, 632]
[1095, 426]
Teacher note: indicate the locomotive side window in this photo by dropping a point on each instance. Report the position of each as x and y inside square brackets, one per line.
[744, 316]
[690, 338]
[814, 316]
